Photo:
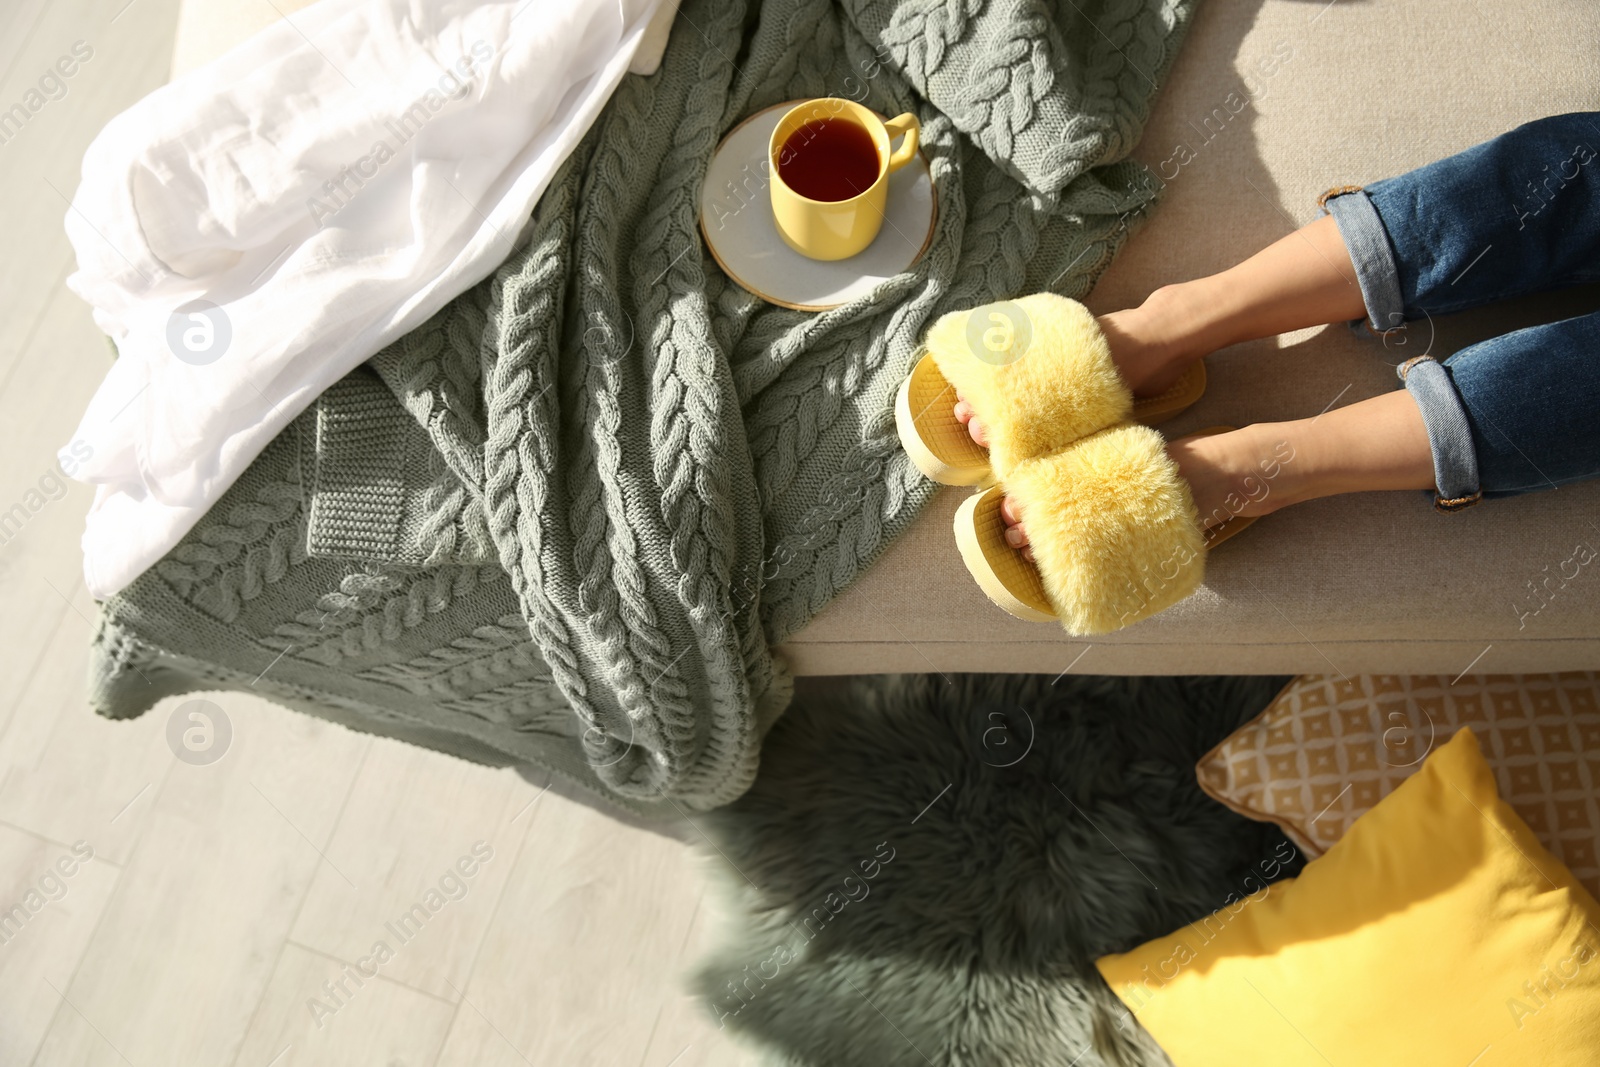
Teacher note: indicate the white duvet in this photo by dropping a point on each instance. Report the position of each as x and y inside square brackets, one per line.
[251, 232]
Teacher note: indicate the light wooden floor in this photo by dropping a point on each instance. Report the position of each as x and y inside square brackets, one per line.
[220, 898]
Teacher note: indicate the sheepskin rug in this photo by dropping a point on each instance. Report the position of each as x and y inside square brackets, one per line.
[927, 866]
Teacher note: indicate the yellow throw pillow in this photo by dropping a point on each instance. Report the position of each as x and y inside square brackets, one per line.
[1438, 931]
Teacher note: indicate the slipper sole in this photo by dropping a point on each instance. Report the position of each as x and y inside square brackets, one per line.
[1178, 397]
[1009, 581]
[937, 442]
[1226, 531]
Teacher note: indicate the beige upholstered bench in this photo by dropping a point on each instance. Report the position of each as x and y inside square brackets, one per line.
[1271, 102]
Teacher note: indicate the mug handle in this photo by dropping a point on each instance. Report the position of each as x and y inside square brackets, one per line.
[908, 126]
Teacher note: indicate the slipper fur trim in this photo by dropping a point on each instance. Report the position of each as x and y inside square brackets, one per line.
[1113, 526]
[1036, 370]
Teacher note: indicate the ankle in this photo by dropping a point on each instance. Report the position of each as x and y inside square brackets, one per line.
[1153, 343]
[1252, 471]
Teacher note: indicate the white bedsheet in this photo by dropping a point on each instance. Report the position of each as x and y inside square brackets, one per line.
[251, 232]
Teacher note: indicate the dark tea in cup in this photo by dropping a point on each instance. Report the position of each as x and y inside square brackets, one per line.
[830, 163]
[829, 159]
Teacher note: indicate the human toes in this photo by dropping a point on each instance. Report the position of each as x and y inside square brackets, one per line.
[975, 427]
[965, 415]
[1016, 536]
[1011, 512]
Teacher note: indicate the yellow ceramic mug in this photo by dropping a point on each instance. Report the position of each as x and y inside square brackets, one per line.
[837, 229]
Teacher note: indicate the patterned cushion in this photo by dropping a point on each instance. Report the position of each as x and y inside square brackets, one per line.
[1327, 750]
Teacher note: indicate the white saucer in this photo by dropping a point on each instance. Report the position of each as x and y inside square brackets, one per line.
[736, 220]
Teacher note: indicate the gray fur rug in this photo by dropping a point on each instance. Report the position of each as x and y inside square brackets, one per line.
[926, 868]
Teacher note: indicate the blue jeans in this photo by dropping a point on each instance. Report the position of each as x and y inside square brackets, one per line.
[1516, 215]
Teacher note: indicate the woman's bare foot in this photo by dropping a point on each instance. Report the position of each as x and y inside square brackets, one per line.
[1376, 444]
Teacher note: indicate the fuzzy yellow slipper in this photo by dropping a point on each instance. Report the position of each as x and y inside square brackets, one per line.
[1039, 373]
[1113, 527]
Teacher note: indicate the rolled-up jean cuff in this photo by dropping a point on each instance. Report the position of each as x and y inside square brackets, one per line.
[1455, 459]
[1368, 244]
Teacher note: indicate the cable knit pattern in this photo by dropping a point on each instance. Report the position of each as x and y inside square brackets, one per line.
[671, 474]
[374, 610]
[491, 654]
[242, 547]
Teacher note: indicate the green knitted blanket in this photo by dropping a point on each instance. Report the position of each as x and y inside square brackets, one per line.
[567, 519]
